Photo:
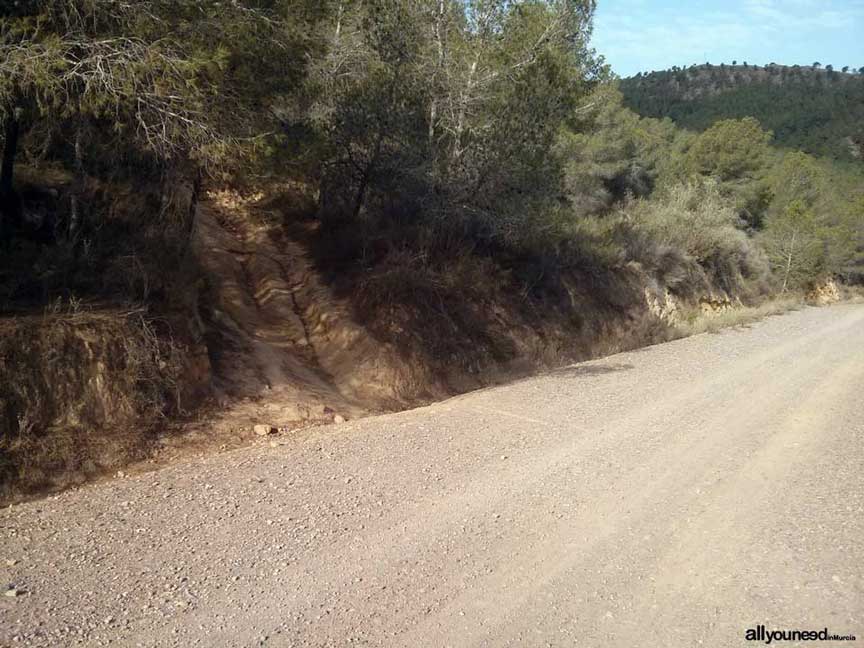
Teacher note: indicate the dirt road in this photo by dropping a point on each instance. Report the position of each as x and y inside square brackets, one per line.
[674, 496]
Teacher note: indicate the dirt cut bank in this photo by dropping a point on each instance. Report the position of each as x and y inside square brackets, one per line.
[266, 323]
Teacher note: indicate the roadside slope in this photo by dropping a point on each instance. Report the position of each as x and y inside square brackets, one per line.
[675, 495]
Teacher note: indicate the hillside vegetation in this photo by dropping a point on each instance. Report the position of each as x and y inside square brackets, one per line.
[306, 207]
[814, 109]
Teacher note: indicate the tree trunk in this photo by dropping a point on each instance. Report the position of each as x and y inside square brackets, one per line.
[10, 215]
[463, 108]
[338, 31]
[192, 212]
[77, 186]
[789, 262]
[439, 41]
[361, 196]
[366, 177]
[10, 151]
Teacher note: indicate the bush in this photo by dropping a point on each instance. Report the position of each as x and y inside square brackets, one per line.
[79, 394]
[693, 222]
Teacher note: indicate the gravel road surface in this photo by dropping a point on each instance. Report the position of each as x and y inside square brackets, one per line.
[673, 496]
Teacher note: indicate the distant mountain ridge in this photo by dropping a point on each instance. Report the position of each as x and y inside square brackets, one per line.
[816, 109]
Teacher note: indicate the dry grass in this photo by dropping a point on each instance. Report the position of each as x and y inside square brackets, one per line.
[853, 294]
[700, 322]
[79, 393]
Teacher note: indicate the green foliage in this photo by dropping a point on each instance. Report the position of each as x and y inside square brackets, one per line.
[487, 125]
[849, 259]
[805, 205]
[609, 153]
[798, 177]
[696, 220]
[809, 109]
[794, 241]
[815, 201]
[180, 79]
[731, 150]
[449, 108]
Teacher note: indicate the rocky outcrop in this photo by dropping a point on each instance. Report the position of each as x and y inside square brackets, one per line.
[717, 303]
[663, 305]
[826, 292]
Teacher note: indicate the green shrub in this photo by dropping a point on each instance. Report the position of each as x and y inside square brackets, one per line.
[694, 222]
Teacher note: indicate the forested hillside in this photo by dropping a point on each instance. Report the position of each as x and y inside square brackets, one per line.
[814, 109]
[362, 205]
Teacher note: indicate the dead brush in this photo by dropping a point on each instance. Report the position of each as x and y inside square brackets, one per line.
[697, 322]
[439, 309]
[79, 393]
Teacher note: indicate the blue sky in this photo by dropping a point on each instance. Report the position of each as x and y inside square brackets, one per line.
[645, 35]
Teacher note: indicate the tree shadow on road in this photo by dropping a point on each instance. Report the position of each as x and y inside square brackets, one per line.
[591, 369]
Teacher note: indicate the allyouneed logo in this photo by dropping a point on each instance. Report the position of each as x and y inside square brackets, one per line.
[760, 633]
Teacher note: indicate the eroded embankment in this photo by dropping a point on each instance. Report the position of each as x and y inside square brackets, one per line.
[278, 335]
[293, 342]
[82, 393]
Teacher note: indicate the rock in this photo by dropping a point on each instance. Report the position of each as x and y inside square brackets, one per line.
[716, 304]
[12, 592]
[11, 562]
[338, 418]
[663, 306]
[263, 430]
[825, 293]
